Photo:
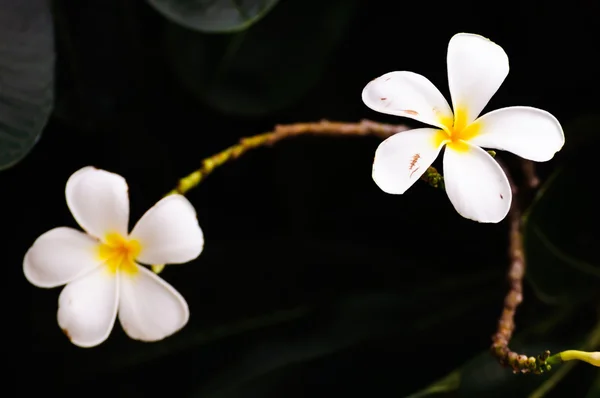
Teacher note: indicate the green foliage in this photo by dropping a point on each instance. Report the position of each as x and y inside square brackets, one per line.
[267, 67]
[349, 322]
[342, 301]
[560, 238]
[266, 349]
[482, 376]
[214, 16]
[26, 76]
[595, 388]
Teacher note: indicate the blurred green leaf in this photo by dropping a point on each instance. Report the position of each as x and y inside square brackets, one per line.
[594, 390]
[214, 16]
[26, 76]
[447, 384]
[325, 320]
[197, 338]
[561, 234]
[349, 321]
[590, 343]
[267, 67]
[483, 376]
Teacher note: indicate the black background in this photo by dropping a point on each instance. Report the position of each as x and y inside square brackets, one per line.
[390, 292]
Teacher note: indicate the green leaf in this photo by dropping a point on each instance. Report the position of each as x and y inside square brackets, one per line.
[483, 376]
[594, 390]
[560, 234]
[350, 321]
[246, 325]
[324, 319]
[266, 68]
[447, 384]
[26, 76]
[214, 16]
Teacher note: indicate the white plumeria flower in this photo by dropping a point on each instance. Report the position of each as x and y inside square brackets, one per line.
[100, 268]
[475, 183]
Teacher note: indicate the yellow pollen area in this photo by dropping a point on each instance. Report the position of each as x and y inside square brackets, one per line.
[119, 253]
[455, 131]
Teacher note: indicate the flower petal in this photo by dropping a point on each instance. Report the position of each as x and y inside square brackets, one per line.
[476, 184]
[99, 201]
[402, 159]
[530, 133]
[150, 309]
[407, 94]
[169, 232]
[87, 307]
[476, 69]
[59, 256]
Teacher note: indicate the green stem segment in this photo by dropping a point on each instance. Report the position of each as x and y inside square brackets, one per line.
[593, 358]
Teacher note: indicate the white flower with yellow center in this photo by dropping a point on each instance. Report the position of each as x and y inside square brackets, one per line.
[475, 183]
[100, 268]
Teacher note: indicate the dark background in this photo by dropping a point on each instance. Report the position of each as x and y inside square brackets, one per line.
[343, 288]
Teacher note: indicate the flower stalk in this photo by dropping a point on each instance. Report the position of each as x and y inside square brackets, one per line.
[519, 363]
[500, 346]
[284, 131]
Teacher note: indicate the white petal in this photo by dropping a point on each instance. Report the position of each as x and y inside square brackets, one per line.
[87, 307]
[99, 201]
[59, 256]
[402, 158]
[149, 308]
[530, 133]
[169, 232]
[407, 94]
[476, 184]
[476, 69]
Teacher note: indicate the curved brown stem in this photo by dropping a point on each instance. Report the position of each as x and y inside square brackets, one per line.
[284, 131]
[516, 271]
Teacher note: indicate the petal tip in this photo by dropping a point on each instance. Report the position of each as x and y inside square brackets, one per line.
[476, 185]
[471, 35]
[385, 187]
[28, 271]
[98, 200]
[66, 333]
[169, 232]
[32, 276]
[82, 343]
[484, 219]
[490, 218]
[157, 329]
[476, 37]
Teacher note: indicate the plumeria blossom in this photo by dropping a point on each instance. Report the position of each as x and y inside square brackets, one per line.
[101, 266]
[475, 183]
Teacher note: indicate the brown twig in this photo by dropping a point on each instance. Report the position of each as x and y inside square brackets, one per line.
[284, 131]
[516, 271]
[500, 340]
[506, 325]
[324, 127]
[531, 179]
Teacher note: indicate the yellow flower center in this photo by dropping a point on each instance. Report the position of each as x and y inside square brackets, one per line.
[455, 131]
[119, 253]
